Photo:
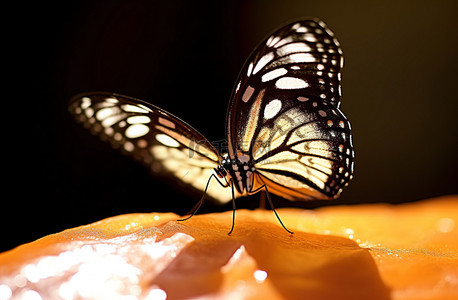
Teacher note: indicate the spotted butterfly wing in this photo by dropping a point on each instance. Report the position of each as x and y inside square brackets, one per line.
[284, 115]
[284, 128]
[152, 136]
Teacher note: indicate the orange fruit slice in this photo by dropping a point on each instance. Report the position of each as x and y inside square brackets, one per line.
[378, 251]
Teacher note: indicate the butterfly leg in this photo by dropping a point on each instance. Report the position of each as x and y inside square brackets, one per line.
[196, 207]
[193, 211]
[262, 200]
[271, 205]
[233, 207]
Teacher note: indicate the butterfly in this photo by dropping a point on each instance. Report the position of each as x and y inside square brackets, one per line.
[285, 131]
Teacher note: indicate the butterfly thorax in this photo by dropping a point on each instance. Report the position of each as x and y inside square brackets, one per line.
[239, 169]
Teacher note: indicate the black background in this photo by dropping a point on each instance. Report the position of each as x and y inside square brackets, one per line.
[399, 92]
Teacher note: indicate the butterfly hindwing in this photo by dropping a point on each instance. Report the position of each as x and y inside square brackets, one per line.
[306, 149]
[152, 136]
[284, 113]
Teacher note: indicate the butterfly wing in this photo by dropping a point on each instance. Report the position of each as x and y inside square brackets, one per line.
[152, 136]
[284, 113]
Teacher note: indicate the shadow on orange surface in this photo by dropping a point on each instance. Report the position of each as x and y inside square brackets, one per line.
[299, 266]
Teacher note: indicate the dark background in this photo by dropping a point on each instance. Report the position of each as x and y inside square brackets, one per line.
[399, 92]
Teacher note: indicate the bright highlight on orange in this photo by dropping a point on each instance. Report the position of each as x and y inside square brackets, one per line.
[402, 252]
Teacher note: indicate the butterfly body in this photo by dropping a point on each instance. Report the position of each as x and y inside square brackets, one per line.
[285, 131]
[240, 170]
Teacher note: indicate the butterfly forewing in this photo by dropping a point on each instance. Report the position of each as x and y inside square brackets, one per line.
[152, 136]
[284, 113]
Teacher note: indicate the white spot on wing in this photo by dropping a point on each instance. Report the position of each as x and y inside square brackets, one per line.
[112, 100]
[133, 108]
[111, 120]
[303, 58]
[138, 120]
[88, 112]
[293, 47]
[85, 102]
[273, 74]
[296, 26]
[167, 140]
[301, 29]
[250, 68]
[272, 41]
[106, 112]
[284, 41]
[263, 61]
[287, 83]
[272, 109]
[136, 130]
[310, 37]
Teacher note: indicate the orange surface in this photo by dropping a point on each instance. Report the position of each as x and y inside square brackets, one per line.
[379, 251]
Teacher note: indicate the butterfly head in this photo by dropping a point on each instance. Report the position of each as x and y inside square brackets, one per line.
[239, 170]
